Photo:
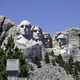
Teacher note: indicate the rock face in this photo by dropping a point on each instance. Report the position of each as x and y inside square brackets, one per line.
[34, 44]
[5, 25]
[28, 38]
[47, 40]
[37, 33]
[67, 43]
[74, 37]
[48, 72]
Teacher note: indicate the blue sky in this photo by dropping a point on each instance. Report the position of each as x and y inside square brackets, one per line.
[50, 15]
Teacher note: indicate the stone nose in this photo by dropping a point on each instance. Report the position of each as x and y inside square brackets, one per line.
[37, 32]
[24, 26]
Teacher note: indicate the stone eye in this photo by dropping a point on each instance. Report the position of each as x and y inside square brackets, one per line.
[26, 26]
[22, 26]
[34, 30]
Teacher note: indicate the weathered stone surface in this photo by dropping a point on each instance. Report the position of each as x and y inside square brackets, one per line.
[29, 48]
[47, 40]
[37, 33]
[50, 72]
[36, 43]
[74, 37]
[72, 46]
[5, 25]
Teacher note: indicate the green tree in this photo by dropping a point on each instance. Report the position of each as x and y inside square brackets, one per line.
[60, 61]
[3, 74]
[47, 60]
[24, 69]
[52, 53]
[37, 62]
[71, 65]
[13, 52]
[53, 62]
[9, 48]
[66, 67]
[76, 73]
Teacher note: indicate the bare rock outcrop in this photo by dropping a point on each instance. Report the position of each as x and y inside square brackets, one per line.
[50, 72]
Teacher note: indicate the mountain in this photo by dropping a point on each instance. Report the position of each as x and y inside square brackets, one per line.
[55, 57]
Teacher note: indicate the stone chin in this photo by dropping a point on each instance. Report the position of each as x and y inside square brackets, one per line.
[36, 37]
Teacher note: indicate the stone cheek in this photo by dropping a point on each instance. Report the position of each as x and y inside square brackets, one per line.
[74, 40]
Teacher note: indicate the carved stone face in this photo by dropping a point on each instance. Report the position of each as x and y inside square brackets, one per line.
[47, 40]
[62, 39]
[37, 33]
[25, 28]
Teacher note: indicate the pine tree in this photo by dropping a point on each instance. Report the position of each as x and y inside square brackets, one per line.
[52, 53]
[53, 62]
[13, 52]
[37, 62]
[3, 74]
[66, 67]
[24, 69]
[60, 61]
[76, 74]
[71, 64]
[9, 48]
[47, 58]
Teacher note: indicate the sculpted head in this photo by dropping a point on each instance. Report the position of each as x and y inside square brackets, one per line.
[47, 40]
[37, 32]
[25, 28]
[62, 39]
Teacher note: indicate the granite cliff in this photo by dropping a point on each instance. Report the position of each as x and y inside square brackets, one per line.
[36, 45]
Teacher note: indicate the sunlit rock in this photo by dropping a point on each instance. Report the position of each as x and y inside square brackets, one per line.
[47, 40]
[25, 29]
[37, 33]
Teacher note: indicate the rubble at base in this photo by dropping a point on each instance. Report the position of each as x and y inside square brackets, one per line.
[50, 72]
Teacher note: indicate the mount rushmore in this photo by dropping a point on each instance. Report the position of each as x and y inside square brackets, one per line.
[27, 35]
[35, 43]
